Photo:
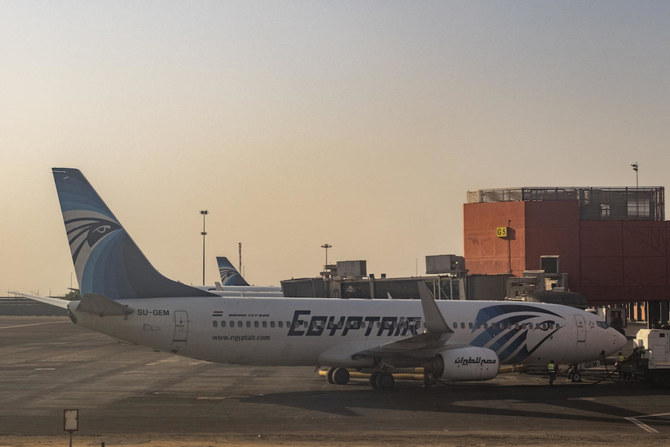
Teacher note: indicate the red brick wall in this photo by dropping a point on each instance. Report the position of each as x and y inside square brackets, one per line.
[606, 261]
[485, 253]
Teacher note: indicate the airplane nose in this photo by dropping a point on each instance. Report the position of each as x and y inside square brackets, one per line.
[619, 339]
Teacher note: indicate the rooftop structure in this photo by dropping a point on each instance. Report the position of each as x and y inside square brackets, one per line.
[595, 203]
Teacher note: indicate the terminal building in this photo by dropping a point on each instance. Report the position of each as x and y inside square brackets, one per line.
[611, 245]
[583, 246]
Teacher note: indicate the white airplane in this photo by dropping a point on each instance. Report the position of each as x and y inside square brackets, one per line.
[235, 285]
[126, 298]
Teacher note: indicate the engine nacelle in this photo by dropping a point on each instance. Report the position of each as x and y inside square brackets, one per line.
[464, 364]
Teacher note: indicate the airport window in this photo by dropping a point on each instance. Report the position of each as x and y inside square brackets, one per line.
[605, 210]
[214, 323]
[638, 208]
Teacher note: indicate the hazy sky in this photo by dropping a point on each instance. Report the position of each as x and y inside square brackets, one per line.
[361, 124]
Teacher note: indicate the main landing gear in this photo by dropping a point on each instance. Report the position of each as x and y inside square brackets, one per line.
[382, 380]
[379, 380]
[338, 376]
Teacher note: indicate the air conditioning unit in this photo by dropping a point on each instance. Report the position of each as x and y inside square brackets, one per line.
[551, 264]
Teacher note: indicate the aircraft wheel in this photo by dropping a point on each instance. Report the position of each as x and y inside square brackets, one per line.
[329, 376]
[341, 376]
[576, 377]
[384, 381]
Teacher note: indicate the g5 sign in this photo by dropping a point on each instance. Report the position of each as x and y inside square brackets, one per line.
[502, 232]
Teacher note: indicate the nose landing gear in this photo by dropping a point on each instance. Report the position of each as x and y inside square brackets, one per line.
[574, 374]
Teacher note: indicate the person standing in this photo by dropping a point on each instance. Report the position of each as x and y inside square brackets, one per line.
[551, 369]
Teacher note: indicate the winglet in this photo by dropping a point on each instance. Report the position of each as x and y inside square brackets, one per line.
[431, 313]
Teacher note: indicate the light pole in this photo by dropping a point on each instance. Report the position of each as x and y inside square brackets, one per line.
[635, 168]
[204, 233]
[326, 246]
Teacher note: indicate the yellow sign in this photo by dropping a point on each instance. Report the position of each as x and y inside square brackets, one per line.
[501, 232]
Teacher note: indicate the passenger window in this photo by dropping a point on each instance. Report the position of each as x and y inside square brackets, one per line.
[272, 324]
[455, 325]
[255, 323]
[239, 323]
[470, 325]
[265, 324]
[462, 325]
[223, 324]
[232, 324]
[248, 323]
[214, 323]
[281, 324]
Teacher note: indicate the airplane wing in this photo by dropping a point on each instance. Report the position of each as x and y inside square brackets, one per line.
[420, 346]
[424, 345]
[44, 299]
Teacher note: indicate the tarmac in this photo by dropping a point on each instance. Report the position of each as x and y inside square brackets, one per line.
[131, 395]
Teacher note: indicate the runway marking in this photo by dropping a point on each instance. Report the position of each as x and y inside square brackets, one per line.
[642, 425]
[32, 324]
[44, 369]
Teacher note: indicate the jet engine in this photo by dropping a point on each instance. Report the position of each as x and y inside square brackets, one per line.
[465, 364]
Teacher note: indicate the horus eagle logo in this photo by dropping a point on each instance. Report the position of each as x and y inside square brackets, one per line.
[84, 232]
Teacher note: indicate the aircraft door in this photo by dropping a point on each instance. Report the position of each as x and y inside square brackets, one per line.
[581, 328]
[180, 326]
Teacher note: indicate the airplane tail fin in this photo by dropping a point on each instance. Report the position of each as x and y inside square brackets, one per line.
[107, 261]
[229, 274]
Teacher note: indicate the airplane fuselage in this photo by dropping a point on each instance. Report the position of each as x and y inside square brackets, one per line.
[285, 331]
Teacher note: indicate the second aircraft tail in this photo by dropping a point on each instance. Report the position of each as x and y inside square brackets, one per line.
[229, 274]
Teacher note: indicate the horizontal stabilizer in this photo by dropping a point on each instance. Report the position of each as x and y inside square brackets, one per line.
[103, 306]
[57, 302]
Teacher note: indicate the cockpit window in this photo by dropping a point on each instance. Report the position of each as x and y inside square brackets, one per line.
[602, 324]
